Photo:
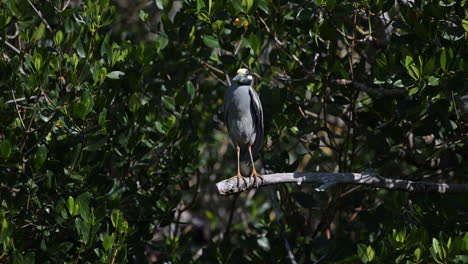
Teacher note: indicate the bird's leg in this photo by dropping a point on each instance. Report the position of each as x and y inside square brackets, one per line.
[254, 173]
[239, 175]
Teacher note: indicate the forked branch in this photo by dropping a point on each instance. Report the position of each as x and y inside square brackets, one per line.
[327, 180]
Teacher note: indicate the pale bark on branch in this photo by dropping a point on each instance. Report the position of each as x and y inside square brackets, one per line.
[327, 180]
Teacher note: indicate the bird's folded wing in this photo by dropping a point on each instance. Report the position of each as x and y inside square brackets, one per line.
[256, 106]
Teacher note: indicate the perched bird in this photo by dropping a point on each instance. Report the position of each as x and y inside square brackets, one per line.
[243, 115]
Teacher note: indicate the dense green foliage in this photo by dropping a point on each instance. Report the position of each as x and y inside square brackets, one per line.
[111, 135]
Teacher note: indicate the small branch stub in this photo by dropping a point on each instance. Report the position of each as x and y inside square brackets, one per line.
[327, 180]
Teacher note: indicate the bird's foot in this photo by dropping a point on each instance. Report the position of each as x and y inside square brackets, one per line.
[239, 177]
[256, 175]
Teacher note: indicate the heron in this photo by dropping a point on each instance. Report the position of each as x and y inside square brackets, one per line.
[243, 115]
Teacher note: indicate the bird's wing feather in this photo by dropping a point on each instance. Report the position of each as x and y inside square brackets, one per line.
[227, 102]
[256, 106]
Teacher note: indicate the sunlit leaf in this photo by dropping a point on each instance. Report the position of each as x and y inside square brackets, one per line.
[115, 75]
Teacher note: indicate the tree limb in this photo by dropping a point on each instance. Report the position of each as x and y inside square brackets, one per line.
[229, 186]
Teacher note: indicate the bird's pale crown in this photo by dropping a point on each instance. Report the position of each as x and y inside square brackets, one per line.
[243, 71]
[246, 73]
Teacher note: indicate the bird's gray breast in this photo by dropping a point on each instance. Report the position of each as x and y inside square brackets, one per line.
[240, 116]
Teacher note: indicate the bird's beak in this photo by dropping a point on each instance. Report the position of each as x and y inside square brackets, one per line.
[238, 77]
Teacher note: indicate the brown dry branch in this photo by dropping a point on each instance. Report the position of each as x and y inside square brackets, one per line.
[327, 180]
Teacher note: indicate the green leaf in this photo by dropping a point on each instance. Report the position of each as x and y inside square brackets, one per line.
[465, 242]
[413, 71]
[429, 67]
[102, 117]
[96, 145]
[305, 14]
[264, 243]
[247, 5]
[168, 102]
[370, 253]
[190, 88]
[5, 227]
[443, 60]
[436, 246]
[160, 128]
[417, 254]
[218, 26]
[169, 123]
[116, 217]
[118, 221]
[115, 75]
[162, 41]
[80, 49]
[461, 259]
[210, 5]
[200, 5]
[433, 81]
[108, 242]
[362, 253]
[211, 41]
[143, 15]
[80, 110]
[83, 229]
[5, 149]
[40, 157]
[83, 202]
[134, 103]
[58, 37]
[39, 32]
[70, 205]
[254, 42]
[413, 90]
[465, 24]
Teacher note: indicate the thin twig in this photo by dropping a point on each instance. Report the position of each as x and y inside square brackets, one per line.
[238, 45]
[231, 216]
[16, 33]
[279, 44]
[278, 217]
[211, 67]
[217, 78]
[12, 47]
[39, 13]
[63, 8]
[20, 99]
[17, 109]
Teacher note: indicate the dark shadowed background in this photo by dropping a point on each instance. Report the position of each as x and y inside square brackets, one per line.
[112, 138]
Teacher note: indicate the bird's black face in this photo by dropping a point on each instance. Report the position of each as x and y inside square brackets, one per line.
[243, 77]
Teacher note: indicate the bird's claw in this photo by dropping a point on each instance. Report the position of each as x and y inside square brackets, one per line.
[256, 175]
[238, 176]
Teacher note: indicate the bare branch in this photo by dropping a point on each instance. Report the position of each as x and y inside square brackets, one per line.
[20, 99]
[17, 109]
[212, 67]
[326, 180]
[39, 13]
[63, 8]
[15, 49]
[379, 92]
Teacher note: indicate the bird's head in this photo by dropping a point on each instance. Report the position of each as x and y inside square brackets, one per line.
[243, 77]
